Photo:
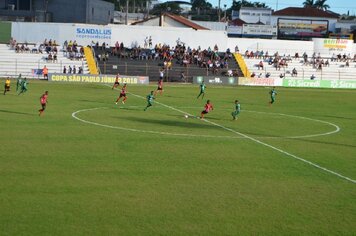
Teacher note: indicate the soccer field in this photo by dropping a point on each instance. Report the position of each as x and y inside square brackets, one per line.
[90, 167]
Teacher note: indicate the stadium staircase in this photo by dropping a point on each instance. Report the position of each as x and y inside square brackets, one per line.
[244, 71]
[93, 69]
[12, 64]
[135, 67]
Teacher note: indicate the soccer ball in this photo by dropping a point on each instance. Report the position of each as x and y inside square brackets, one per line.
[186, 116]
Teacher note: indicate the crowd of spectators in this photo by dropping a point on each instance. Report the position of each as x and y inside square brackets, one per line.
[72, 50]
[72, 70]
[281, 62]
[168, 57]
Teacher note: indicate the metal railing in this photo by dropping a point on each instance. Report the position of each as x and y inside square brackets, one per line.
[170, 74]
[305, 73]
[13, 68]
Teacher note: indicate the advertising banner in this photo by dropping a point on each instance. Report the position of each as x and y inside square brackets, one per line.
[345, 84]
[105, 79]
[222, 80]
[260, 81]
[302, 28]
[327, 47]
[267, 30]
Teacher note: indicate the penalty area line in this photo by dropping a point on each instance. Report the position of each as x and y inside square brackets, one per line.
[260, 142]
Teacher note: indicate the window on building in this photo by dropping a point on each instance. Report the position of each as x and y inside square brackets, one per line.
[265, 14]
[92, 11]
[109, 13]
[245, 13]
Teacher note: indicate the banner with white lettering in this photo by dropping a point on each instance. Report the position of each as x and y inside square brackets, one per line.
[104, 79]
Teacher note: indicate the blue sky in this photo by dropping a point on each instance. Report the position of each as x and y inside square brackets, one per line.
[338, 6]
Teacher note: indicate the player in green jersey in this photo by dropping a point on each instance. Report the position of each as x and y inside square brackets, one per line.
[202, 90]
[18, 83]
[273, 94]
[237, 110]
[23, 86]
[150, 98]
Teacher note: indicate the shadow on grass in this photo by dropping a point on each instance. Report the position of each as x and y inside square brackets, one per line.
[327, 143]
[93, 101]
[173, 123]
[17, 112]
[340, 117]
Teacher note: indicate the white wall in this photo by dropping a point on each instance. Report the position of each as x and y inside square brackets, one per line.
[256, 15]
[169, 22]
[271, 45]
[37, 32]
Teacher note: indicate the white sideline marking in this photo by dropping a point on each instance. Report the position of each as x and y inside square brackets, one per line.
[262, 143]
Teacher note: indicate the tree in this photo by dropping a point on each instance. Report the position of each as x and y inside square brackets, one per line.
[169, 7]
[198, 5]
[308, 3]
[321, 4]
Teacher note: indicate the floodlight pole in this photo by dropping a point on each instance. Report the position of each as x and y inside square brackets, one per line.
[127, 13]
[219, 11]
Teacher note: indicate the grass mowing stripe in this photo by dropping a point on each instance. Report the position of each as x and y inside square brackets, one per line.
[260, 142]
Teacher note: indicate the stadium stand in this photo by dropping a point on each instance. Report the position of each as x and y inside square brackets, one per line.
[29, 61]
[300, 66]
[175, 62]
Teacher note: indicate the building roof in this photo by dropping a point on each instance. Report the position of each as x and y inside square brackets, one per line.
[185, 21]
[305, 12]
[237, 22]
[178, 18]
[256, 8]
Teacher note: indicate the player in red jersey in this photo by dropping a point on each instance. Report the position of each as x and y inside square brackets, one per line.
[160, 87]
[208, 107]
[116, 81]
[43, 101]
[122, 94]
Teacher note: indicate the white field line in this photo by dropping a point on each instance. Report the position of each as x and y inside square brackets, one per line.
[260, 142]
[74, 115]
[337, 128]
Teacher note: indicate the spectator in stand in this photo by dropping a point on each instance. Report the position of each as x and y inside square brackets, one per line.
[74, 70]
[150, 42]
[294, 72]
[260, 65]
[64, 70]
[69, 70]
[80, 70]
[312, 77]
[55, 57]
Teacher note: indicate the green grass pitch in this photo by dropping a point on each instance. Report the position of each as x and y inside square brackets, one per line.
[118, 170]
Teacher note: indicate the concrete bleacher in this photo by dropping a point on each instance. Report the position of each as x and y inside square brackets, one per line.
[335, 70]
[12, 64]
[142, 67]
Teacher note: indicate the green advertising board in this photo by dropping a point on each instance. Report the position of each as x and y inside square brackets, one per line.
[345, 84]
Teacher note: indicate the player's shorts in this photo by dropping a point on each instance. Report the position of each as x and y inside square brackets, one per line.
[116, 83]
[122, 95]
[7, 87]
[205, 112]
[43, 106]
[159, 88]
